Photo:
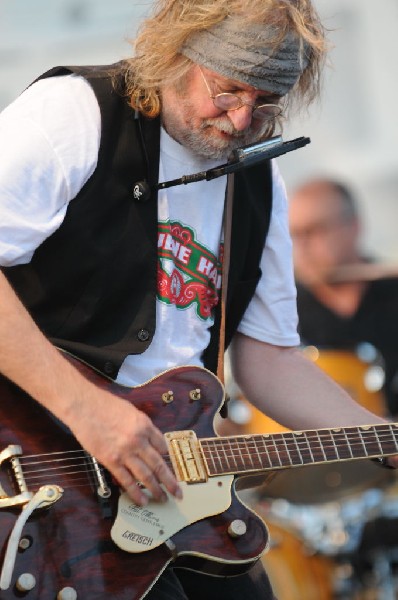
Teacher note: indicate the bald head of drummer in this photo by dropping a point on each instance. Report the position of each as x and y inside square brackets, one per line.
[325, 229]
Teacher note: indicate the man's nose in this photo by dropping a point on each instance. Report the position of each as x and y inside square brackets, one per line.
[241, 118]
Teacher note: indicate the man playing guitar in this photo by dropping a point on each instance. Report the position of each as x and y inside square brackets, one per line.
[97, 264]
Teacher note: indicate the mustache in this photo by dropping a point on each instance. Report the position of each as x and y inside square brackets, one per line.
[224, 125]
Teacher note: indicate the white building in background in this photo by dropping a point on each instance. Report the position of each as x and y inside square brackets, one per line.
[36, 35]
[353, 130]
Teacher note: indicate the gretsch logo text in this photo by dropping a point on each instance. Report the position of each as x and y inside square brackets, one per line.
[144, 540]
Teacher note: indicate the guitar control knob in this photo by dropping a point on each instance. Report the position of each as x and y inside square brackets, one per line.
[67, 593]
[168, 397]
[194, 395]
[25, 582]
[24, 544]
[237, 528]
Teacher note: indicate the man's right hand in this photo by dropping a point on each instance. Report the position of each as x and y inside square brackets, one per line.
[126, 442]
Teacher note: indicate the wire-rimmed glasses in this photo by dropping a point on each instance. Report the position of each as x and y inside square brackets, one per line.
[227, 101]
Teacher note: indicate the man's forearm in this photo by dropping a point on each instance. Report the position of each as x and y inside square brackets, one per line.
[291, 389]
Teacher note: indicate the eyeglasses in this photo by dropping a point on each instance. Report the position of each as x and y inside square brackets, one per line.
[226, 101]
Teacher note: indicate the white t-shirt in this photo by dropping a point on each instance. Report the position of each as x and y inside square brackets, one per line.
[49, 140]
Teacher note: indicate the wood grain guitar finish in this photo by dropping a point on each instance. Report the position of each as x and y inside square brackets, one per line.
[69, 544]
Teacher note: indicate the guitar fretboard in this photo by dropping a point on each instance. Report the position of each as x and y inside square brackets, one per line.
[253, 453]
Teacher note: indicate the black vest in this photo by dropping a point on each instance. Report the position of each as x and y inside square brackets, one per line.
[91, 286]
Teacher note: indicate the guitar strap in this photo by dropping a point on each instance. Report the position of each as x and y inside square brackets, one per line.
[228, 210]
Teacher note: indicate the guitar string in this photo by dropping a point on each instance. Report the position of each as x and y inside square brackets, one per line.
[331, 435]
[294, 440]
[82, 475]
[236, 443]
[303, 441]
[273, 457]
[267, 453]
[264, 458]
[354, 434]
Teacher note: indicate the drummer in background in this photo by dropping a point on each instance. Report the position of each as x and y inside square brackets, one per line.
[342, 300]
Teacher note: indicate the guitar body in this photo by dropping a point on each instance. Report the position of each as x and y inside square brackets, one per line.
[70, 542]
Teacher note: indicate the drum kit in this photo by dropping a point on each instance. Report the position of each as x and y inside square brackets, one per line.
[334, 527]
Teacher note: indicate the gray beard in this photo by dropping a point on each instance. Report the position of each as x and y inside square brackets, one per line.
[206, 146]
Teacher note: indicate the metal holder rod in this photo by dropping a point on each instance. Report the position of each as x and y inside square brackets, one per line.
[241, 158]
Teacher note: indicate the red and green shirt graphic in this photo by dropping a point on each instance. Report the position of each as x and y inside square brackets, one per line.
[189, 274]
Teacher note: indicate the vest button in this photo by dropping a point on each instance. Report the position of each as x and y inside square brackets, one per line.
[143, 335]
[109, 368]
[141, 191]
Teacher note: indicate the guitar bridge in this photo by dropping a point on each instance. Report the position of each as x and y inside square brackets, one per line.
[45, 496]
[186, 456]
[11, 454]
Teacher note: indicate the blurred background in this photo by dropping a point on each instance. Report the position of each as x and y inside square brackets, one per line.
[353, 129]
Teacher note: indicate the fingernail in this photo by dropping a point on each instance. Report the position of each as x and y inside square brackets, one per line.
[178, 493]
[144, 500]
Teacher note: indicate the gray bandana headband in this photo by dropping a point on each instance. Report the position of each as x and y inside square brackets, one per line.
[246, 56]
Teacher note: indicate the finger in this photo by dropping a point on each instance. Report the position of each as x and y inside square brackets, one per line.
[161, 471]
[153, 452]
[157, 440]
[139, 466]
[392, 461]
[131, 486]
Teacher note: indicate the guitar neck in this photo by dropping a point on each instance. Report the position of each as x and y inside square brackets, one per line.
[256, 453]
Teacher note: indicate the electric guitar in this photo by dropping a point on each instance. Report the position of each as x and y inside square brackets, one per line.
[66, 530]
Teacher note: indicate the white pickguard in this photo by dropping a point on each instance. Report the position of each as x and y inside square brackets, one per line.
[142, 528]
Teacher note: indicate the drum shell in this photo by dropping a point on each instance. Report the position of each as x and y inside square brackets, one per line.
[294, 573]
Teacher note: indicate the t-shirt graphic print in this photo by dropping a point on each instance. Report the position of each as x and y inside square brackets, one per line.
[189, 274]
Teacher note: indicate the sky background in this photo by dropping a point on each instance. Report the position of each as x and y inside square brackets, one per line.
[353, 128]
